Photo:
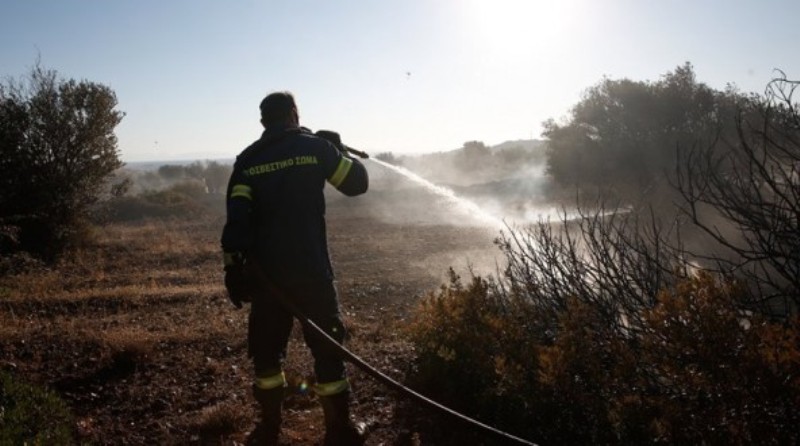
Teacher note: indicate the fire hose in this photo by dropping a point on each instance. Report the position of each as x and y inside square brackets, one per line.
[271, 288]
[356, 152]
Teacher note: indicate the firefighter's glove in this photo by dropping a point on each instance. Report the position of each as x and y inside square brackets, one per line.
[236, 281]
[333, 138]
[236, 285]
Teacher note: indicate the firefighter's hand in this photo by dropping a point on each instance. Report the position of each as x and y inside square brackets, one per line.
[236, 285]
[331, 137]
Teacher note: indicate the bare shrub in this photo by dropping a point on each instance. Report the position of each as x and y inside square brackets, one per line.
[744, 194]
[617, 261]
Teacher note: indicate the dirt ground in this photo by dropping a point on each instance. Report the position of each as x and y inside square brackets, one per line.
[136, 333]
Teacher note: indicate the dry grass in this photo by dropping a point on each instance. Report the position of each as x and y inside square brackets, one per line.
[135, 332]
[221, 419]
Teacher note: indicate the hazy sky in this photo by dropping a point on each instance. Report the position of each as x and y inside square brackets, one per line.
[403, 76]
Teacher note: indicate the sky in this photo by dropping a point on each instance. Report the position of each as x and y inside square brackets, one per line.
[406, 76]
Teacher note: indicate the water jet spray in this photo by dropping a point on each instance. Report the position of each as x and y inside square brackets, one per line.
[461, 203]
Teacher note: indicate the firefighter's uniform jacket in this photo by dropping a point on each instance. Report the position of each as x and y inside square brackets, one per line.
[276, 206]
[276, 216]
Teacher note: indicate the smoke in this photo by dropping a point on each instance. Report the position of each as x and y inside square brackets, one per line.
[504, 197]
[474, 212]
[459, 207]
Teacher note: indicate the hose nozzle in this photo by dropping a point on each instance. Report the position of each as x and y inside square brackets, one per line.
[358, 153]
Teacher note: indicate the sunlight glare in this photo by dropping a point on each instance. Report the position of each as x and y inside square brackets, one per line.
[514, 28]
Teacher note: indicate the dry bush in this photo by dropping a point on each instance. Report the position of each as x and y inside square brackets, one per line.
[579, 377]
[699, 371]
[721, 375]
[474, 351]
[446, 341]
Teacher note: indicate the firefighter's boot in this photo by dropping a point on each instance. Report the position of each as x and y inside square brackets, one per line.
[339, 428]
[267, 431]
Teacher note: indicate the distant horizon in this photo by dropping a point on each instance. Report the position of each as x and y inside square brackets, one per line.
[190, 159]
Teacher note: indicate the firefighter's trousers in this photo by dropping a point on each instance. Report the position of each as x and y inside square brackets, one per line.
[270, 326]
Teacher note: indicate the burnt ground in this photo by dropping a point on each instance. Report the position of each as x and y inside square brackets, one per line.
[136, 334]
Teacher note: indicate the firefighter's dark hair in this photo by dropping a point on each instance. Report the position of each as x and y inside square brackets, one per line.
[277, 107]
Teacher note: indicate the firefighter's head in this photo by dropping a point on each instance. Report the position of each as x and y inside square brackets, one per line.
[279, 109]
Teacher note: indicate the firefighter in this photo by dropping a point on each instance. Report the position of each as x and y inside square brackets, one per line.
[276, 220]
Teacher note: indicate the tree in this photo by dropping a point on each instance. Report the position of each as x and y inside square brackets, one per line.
[172, 172]
[626, 132]
[473, 156]
[216, 177]
[57, 147]
[387, 157]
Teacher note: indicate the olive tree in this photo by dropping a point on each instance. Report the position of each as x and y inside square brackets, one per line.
[57, 147]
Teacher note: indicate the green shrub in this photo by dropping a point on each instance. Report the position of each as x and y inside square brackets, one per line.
[32, 415]
[57, 148]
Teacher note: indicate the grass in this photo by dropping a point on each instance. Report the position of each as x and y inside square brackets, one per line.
[118, 321]
[31, 414]
[135, 333]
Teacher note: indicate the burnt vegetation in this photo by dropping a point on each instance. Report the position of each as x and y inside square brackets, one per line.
[660, 306]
